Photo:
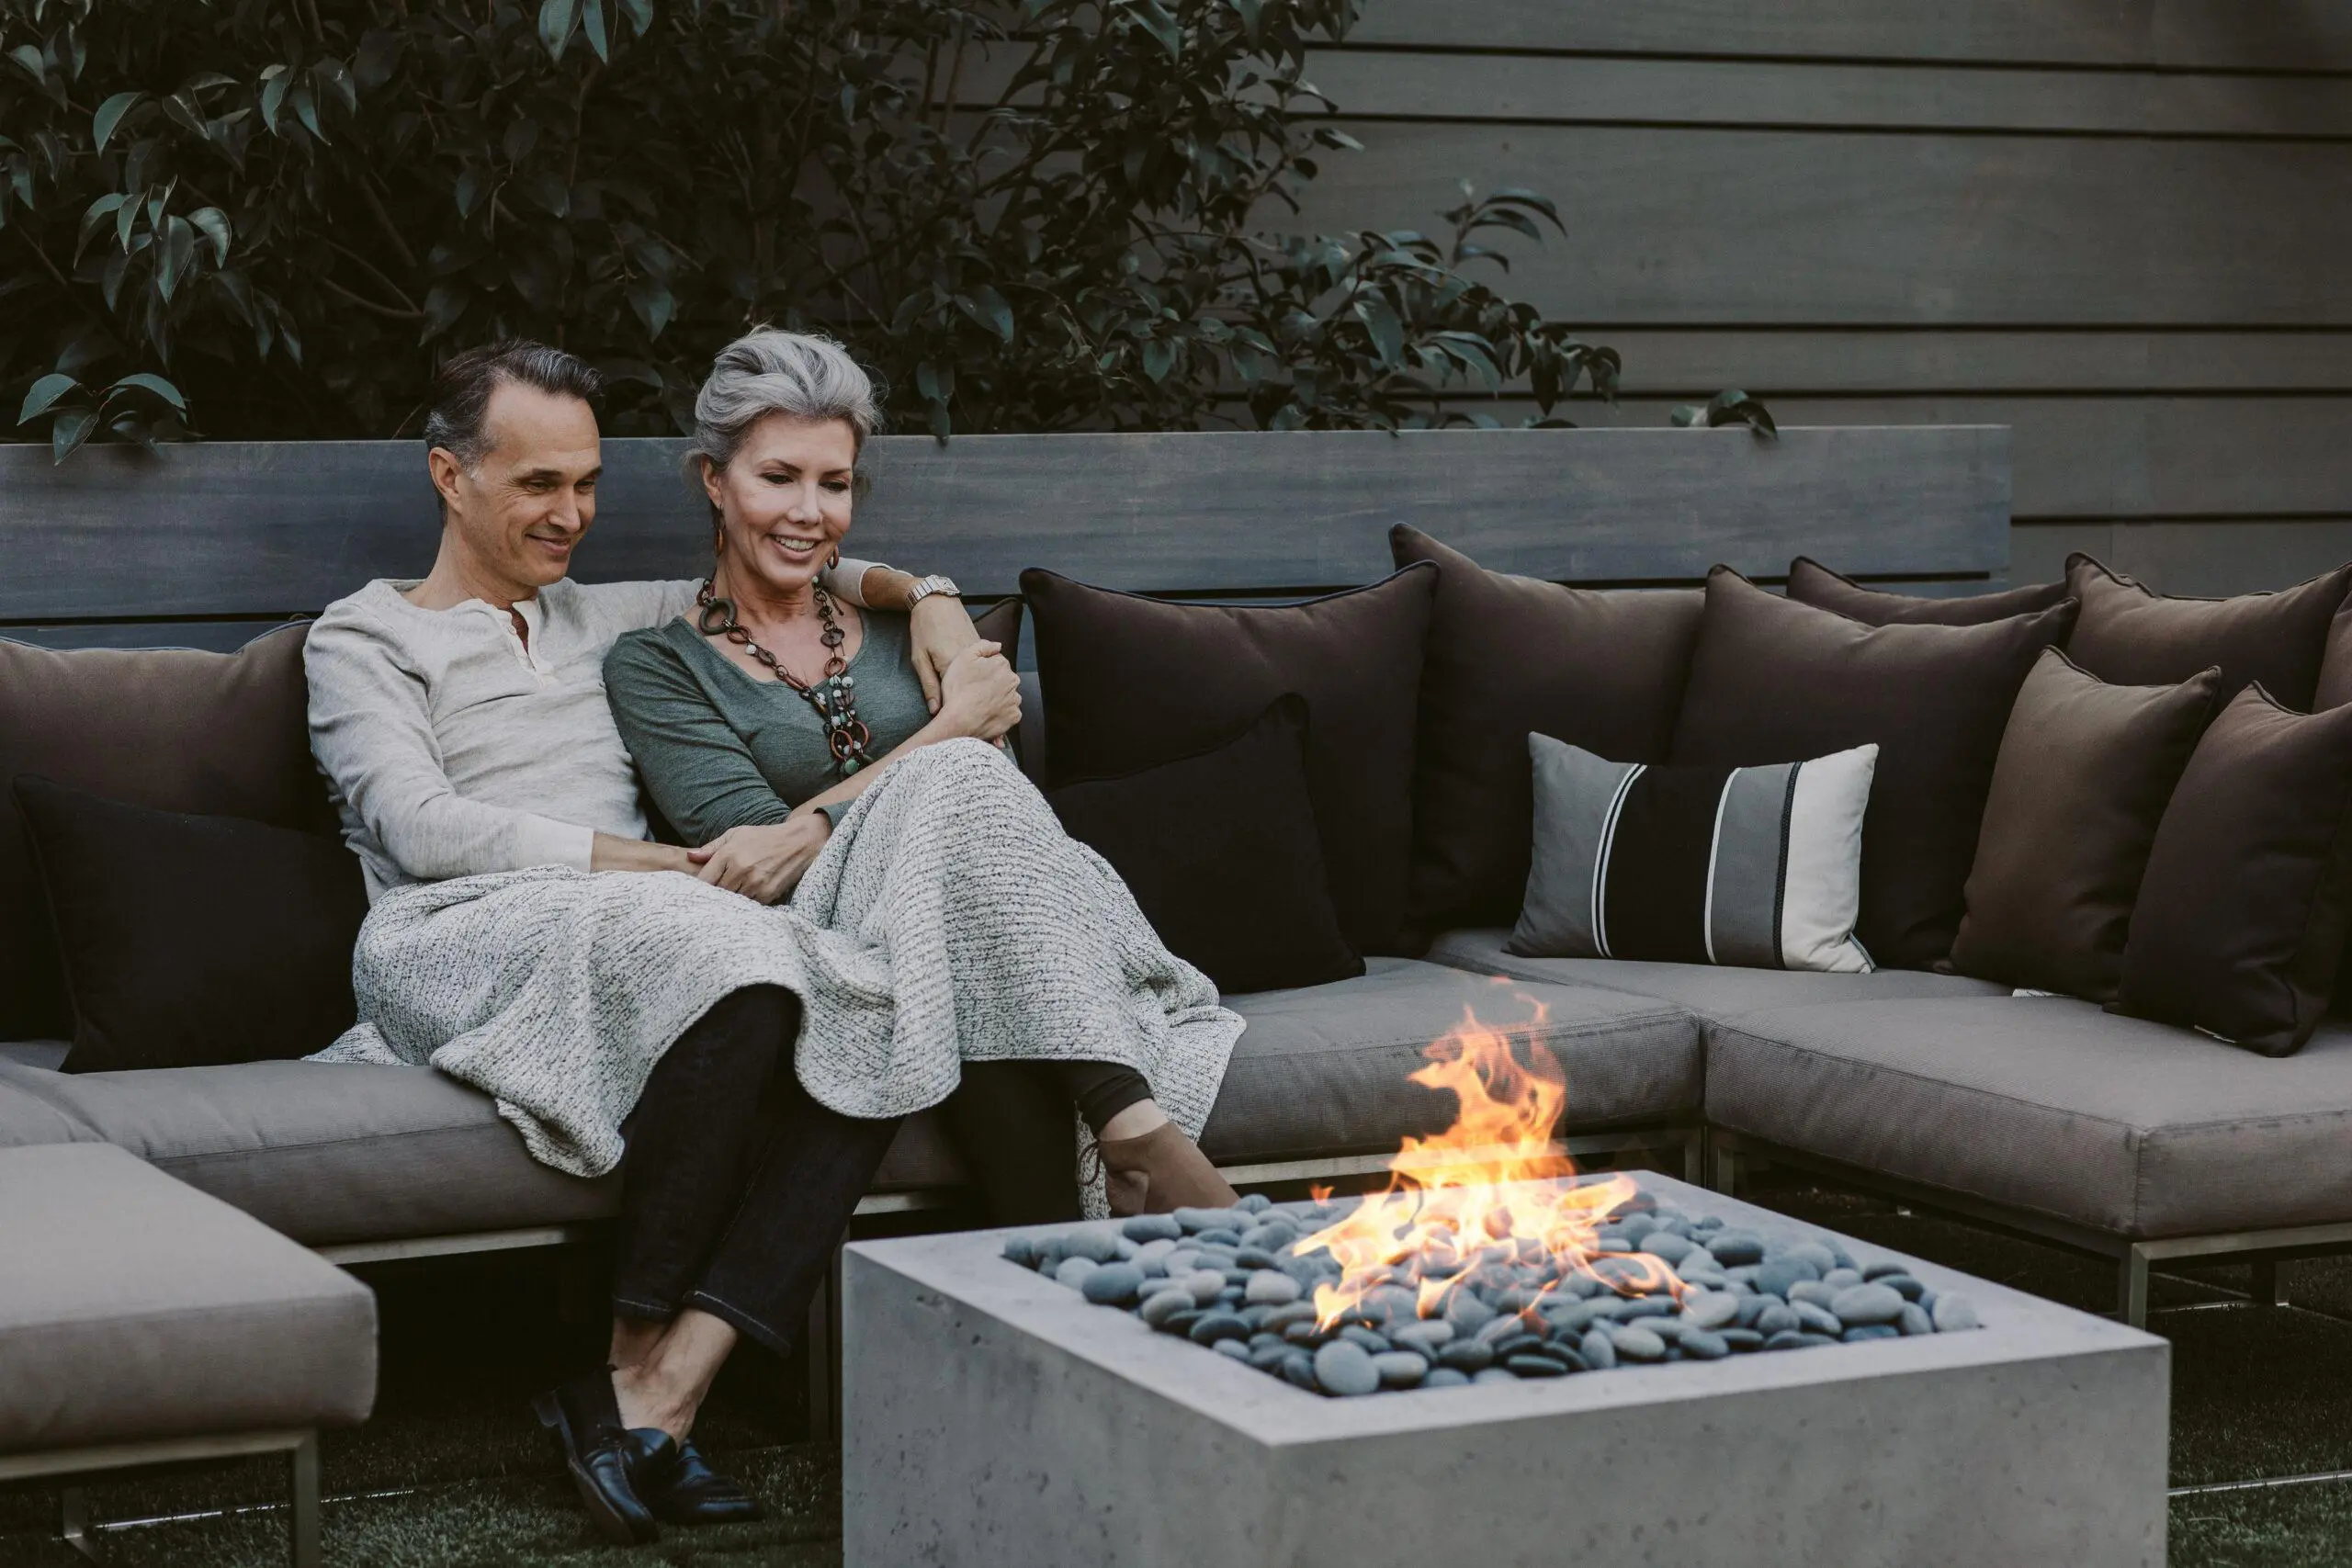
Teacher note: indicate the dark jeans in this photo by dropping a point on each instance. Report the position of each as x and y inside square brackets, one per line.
[736, 1185]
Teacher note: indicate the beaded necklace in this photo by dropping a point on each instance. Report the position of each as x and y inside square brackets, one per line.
[834, 696]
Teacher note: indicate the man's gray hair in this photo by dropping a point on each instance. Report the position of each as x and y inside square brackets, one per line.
[796, 374]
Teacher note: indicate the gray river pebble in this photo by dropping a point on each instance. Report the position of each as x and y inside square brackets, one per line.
[1860, 1305]
[1401, 1368]
[1206, 1284]
[1636, 1344]
[1270, 1288]
[1712, 1310]
[1816, 1319]
[1600, 1352]
[1734, 1249]
[1111, 1284]
[1151, 1228]
[1161, 1305]
[1914, 1319]
[1072, 1272]
[1346, 1370]
[1445, 1377]
[1954, 1315]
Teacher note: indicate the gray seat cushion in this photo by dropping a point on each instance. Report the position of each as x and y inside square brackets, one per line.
[134, 1307]
[2127, 1127]
[1321, 1070]
[1710, 990]
[325, 1153]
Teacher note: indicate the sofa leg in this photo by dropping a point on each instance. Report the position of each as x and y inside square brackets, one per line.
[74, 1521]
[2131, 1295]
[1694, 1156]
[2266, 1289]
[1726, 1163]
[303, 1529]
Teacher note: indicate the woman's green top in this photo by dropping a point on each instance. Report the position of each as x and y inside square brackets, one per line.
[719, 748]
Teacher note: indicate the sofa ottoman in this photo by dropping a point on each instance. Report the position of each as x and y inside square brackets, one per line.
[143, 1322]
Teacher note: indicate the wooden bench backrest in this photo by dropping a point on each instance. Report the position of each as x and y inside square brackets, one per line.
[202, 544]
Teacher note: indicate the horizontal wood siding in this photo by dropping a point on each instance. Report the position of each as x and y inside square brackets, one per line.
[2113, 225]
[118, 547]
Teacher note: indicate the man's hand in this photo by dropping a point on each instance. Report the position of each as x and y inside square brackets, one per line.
[762, 863]
[943, 628]
[613, 853]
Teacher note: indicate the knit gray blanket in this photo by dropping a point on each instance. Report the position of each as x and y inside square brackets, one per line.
[948, 919]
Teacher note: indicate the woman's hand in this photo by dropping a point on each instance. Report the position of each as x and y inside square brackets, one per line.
[611, 853]
[980, 695]
[939, 628]
[764, 863]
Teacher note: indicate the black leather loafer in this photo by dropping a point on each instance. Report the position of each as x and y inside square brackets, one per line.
[610, 1465]
[695, 1494]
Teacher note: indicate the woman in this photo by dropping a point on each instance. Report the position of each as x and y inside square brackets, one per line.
[763, 729]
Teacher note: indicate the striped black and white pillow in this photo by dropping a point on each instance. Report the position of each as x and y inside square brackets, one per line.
[1753, 866]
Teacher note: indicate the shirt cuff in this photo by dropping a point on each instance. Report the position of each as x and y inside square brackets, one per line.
[847, 581]
[543, 840]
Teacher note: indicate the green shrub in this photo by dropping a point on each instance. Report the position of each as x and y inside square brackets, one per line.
[269, 218]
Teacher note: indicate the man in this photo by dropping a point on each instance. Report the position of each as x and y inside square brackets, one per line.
[462, 718]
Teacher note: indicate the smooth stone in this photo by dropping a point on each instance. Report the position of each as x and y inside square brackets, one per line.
[1839, 1279]
[1953, 1313]
[1818, 1254]
[1206, 1284]
[1860, 1305]
[1667, 1245]
[1914, 1319]
[1099, 1246]
[1151, 1228]
[1298, 1371]
[1494, 1374]
[1531, 1364]
[1806, 1338]
[1786, 1339]
[1255, 1316]
[1445, 1377]
[1669, 1329]
[1304, 1333]
[1741, 1340]
[1181, 1260]
[1182, 1322]
[1903, 1285]
[1776, 1276]
[1703, 1346]
[1365, 1339]
[1816, 1319]
[1401, 1368]
[1021, 1249]
[1254, 1203]
[1818, 1292]
[1345, 1369]
[1269, 1357]
[1861, 1331]
[1222, 1236]
[1882, 1268]
[1700, 1275]
[1050, 1253]
[1234, 1349]
[1514, 1344]
[1213, 1327]
[1609, 1239]
[1753, 1308]
[1282, 1318]
[1572, 1317]
[1160, 1305]
[1597, 1351]
[1272, 1236]
[1467, 1313]
[1466, 1356]
[1644, 1306]
[1072, 1272]
[1633, 1227]
[1253, 1257]
[1712, 1310]
[1270, 1288]
[1735, 1249]
[1429, 1338]
[1636, 1344]
[1111, 1284]
[1776, 1318]
[1153, 1252]
[1193, 1220]
[1231, 1295]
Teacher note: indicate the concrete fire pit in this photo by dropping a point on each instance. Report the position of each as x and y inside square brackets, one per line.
[993, 1416]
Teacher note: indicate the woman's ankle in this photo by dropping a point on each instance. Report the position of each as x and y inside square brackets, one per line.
[1139, 1120]
[646, 1399]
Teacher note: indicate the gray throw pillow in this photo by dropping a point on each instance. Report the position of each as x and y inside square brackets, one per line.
[1756, 866]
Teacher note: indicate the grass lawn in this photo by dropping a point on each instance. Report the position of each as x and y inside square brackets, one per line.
[452, 1470]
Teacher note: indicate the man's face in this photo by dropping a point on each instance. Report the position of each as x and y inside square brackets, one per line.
[520, 511]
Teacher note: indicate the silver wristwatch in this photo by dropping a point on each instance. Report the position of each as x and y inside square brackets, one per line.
[927, 586]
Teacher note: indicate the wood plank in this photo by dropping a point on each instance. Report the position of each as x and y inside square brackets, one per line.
[1720, 227]
[1555, 89]
[1686, 362]
[281, 528]
[2283, 35]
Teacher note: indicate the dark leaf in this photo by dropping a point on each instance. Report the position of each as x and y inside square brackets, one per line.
[148, 381]
[71, 428]
[44, 392]
[109, 115]
[214, 223]
[592, 20]
[558, 20]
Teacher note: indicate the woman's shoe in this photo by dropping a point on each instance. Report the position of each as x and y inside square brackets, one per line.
[695, 1494]
[1160, 1172]
[611, 1465]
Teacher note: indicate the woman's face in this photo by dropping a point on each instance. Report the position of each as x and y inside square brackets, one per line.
[784, 502]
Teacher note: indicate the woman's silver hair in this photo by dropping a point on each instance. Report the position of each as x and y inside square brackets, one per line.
[796, 374]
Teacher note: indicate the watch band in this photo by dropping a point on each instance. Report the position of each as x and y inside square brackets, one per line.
[927, 586]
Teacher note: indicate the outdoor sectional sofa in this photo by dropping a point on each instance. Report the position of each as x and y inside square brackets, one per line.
[2134, 1140]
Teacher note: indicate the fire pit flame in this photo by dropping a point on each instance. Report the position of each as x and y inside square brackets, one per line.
[1459, 1199]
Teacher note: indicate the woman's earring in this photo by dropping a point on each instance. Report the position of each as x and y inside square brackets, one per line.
[837, 556]
[718, 541]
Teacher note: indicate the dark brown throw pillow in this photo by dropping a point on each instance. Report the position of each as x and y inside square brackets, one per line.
[1773, 679]
[2240, 927]
[1810, 582]
[191, 940]
[1130, 682]
[2132, 637]
[2084, 773]
[1220, 851]
[172, 728]
[1513, 656]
